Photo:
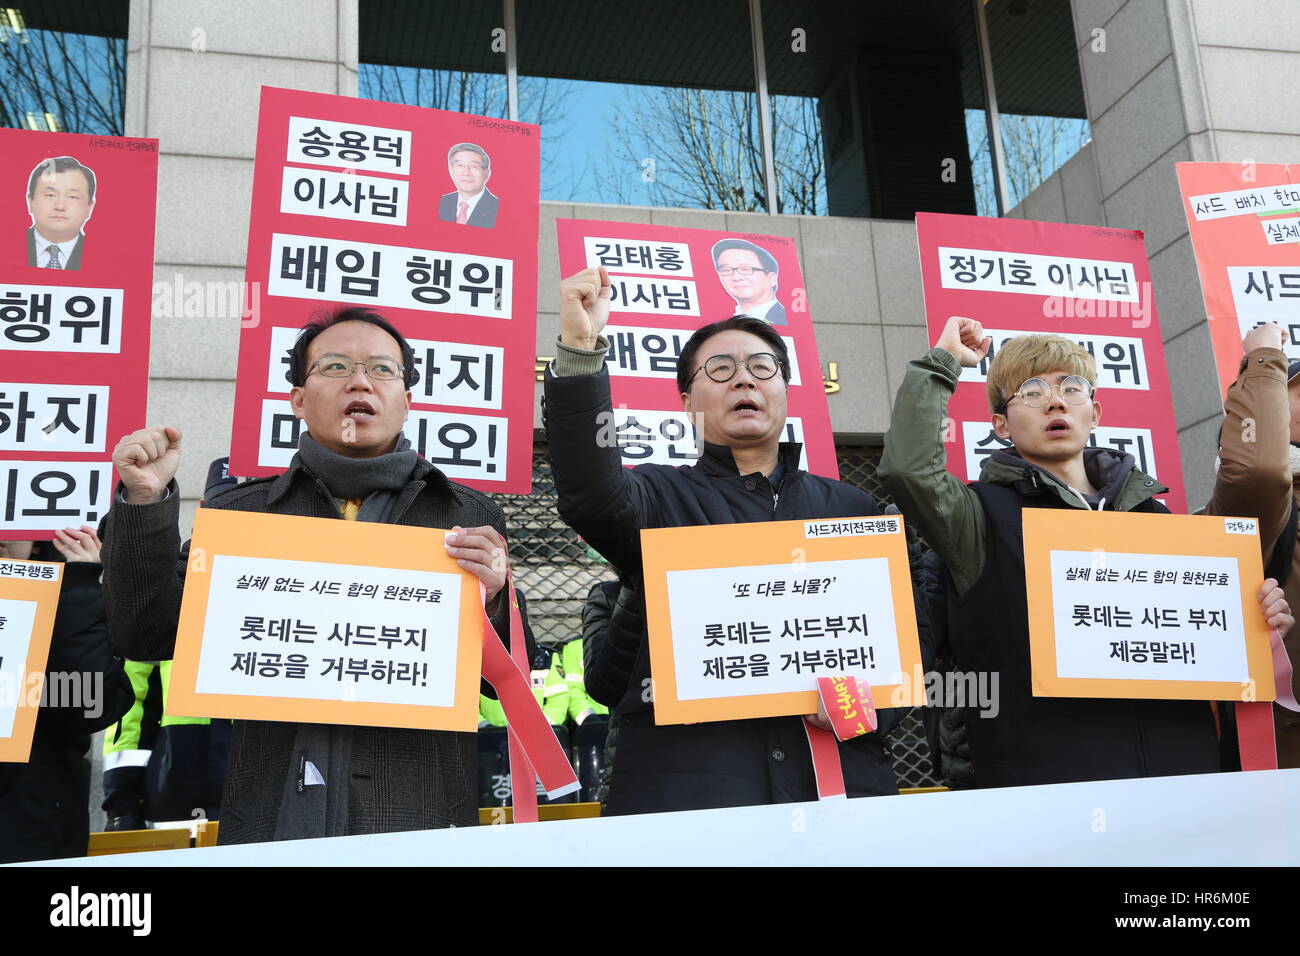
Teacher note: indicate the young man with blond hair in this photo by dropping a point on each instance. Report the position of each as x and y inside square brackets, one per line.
[1041, 393]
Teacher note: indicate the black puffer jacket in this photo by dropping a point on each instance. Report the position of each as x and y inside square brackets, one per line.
[44, 803]
[695, 766]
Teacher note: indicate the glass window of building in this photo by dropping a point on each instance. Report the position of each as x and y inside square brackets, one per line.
[653, 102]
[875, 110]
[870, 105]
[640, 103]
[63, 66]
[447, 56]
[1039, 90]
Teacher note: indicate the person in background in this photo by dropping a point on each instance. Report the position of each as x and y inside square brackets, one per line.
[1258, 476]
[45, 802]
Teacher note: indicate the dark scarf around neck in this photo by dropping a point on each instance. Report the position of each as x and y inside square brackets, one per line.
[359, 477]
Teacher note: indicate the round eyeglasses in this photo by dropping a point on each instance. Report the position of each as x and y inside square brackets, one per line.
[380, 371]
[1035, 393]
[722, 368]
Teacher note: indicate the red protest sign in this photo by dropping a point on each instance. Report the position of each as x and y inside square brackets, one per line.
[428, 217]
[1089, 284]
[76, 277]
[668, 282]
[1244, 219]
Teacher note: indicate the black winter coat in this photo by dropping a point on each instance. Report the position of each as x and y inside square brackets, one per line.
[398, 778]
[695, 766]
[44, 803]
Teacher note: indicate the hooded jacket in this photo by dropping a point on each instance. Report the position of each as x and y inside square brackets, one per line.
[977, 532]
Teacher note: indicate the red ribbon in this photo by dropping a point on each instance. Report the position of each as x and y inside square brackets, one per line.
[1256, 737]
[826, 762]
[534, 750]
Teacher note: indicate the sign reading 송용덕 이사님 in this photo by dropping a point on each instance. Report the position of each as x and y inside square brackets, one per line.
[666, 282]
[76, 278]
[1244, 220]
[1145, 606]
[428, 217]
[336, 622]
[1089, 284]
[744, 618]
[29, 598]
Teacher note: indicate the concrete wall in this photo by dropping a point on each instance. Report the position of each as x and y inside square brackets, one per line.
[194, 73]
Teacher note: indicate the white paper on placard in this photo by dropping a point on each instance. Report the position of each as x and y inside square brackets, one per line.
[1147, 617]
[378, 635]
[772, 629]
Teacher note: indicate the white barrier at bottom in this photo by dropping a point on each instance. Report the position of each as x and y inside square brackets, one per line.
[1206, 820]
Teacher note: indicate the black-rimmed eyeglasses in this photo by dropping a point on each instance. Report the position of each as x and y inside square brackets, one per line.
[723, 368]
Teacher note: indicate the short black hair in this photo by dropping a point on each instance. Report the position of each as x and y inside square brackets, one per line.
[297, 373]
[61, 164]
[741, 323]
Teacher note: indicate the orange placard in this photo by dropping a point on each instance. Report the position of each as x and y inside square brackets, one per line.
[29, 597]
[744, 618]
[342, 618]
[1145, 606]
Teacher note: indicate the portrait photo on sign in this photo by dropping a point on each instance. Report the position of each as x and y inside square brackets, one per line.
[60, 200]
[472, 203]
[750, 275]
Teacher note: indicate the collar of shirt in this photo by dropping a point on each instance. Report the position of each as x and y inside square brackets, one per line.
[43, 247]
[759, 311]
[460, 198]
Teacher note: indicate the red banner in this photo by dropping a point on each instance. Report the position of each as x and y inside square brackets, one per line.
[1244, 220]
[666, 284]
[428, 217]
[1090, 284]
[76, 277]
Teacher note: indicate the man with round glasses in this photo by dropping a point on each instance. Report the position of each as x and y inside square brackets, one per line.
[1040, 392]
[351, 373]
[749, 274]
[732, 377]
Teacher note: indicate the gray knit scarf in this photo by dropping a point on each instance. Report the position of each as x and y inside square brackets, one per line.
[323, 752]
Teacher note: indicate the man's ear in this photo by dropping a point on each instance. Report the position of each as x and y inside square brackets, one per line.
[686, 402]
[1096, 413]
[408, 399]
[1000, 428]
[296, 401]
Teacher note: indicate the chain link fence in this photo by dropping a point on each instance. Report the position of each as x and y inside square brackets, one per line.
[556, 569]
